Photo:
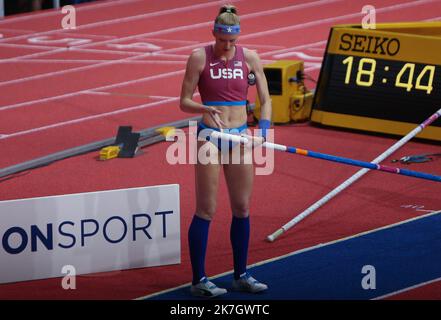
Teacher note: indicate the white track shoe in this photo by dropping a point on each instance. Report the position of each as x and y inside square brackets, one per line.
[246, 283]
[206, 289]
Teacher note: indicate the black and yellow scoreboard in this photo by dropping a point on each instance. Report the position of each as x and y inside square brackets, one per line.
[385, 80]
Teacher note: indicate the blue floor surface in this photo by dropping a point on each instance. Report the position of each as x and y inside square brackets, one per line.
[402, 256]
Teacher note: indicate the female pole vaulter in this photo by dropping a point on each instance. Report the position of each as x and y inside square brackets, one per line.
[220, 71]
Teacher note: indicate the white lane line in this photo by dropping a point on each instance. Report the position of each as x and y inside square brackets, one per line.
[16, 30]
[301, 55]
[42, 14]
[52, 48]
[88, 35]
[26, 46]
[125, 94]
[63, 72]
[265, 46]
[170, 40]
[34, 55]
[73, 94]
[394, 293]
[309, 46]
[88, 67]
[163, 99]
[61, 49]
[90, 61]
[433, 19]
[97, 116]
[312, 68]
[101, 51]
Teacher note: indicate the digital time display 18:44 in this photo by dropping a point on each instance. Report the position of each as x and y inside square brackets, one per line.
[380, 80]
[408, 77]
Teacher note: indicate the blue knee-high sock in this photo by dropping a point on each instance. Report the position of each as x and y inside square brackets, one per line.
[240, 236]
[197, 242]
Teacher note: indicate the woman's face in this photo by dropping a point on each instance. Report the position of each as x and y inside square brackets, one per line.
[224, 42]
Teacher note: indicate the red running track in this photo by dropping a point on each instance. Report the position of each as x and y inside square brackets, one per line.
[54, 86]
[44, 100]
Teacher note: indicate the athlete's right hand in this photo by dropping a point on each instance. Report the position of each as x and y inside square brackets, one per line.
[214, 114]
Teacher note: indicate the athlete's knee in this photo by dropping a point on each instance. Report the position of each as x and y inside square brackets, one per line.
[241, 210]
[206, 211]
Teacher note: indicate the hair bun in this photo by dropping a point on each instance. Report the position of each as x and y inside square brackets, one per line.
[228, 9]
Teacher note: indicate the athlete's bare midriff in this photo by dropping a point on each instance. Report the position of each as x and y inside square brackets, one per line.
[233, 117]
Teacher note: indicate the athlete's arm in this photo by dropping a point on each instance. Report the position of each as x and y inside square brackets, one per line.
[256, 67]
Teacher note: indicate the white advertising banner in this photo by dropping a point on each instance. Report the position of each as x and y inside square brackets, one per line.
[93, 232]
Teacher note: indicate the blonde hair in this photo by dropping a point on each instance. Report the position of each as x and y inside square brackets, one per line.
[228, 15]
